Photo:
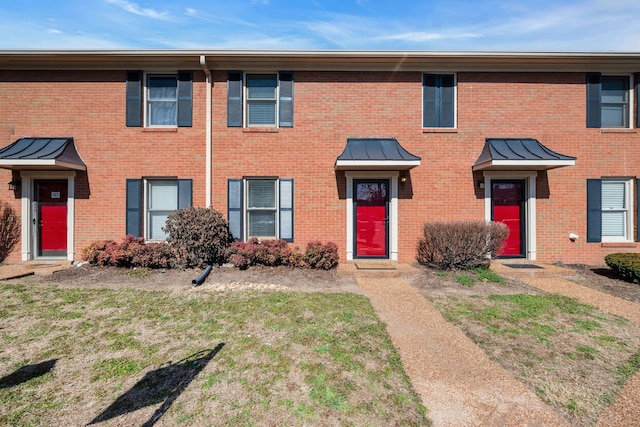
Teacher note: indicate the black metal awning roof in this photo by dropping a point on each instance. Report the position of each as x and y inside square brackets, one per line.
[41, 154]
[519, 153]
[375, 154]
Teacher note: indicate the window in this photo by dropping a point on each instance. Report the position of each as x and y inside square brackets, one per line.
[260, 100]
[162, 101]
[438, 101]
[610, 210]
[167, 99]
[261, 207]
[608, 101]
[150, 201]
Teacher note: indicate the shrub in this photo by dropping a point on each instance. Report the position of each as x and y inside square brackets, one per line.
[278, 253]
[625, 265]
[9, 230]
[460, 244]
[130, 252]
[199, 236]
[319, 256]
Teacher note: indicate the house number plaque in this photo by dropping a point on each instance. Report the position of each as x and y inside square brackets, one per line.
[55, 194]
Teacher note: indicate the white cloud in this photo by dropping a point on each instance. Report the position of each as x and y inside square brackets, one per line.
[136, 9]
[54, 31]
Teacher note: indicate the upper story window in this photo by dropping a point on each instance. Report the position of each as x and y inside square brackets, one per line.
[438, 100]
[260, 99]
[609, 101]
[166, 98]
[162, 100]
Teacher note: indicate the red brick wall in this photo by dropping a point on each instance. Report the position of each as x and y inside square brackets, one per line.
[329, 107]
[90, 107]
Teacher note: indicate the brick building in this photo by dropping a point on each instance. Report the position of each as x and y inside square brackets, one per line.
[359, 148]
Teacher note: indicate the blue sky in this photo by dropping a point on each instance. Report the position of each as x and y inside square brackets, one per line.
[512, 25]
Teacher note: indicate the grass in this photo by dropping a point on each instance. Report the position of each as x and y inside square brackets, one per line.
[470, 277]
[198, 358]
[572, 355]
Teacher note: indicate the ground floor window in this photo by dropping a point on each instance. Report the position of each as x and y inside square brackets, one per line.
[610, 209]
[261, 207]
[151, 200]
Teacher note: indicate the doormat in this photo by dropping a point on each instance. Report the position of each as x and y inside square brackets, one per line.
[522, 266]
[374, 266]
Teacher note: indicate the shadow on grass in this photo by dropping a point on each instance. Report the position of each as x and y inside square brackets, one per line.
[27, 373]
[160, 385]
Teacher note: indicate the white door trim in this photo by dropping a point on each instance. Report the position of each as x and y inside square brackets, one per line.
[28, 236]
[530, 203]
[392, 176]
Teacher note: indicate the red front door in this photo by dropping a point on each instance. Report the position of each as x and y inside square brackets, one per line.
[371, 217]
[52, 217]
[507, 202]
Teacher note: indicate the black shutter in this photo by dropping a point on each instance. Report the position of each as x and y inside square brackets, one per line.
[185, 193]
[446, 113]
[286, 99]
[234, 99]
[134, 98]
[134, 207]
[286, 210]
[594, 110]
[429, 101]
[234, 207]
[185, 95]
[594, 210]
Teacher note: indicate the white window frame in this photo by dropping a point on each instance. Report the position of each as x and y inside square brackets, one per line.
[148, 210]
[627, 210]
[455, 100]
[630, 98]
[246, 101]
[147, 101]
[247, 209]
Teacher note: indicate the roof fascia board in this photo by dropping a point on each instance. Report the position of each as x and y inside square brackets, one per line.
[323, 60]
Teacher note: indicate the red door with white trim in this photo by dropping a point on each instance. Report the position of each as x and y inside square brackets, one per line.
[507, 206]
[51, 221]
[371, 218]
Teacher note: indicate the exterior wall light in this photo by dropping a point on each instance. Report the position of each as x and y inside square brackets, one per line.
[14, 184]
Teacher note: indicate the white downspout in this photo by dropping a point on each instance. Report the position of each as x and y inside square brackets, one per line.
[209, 154]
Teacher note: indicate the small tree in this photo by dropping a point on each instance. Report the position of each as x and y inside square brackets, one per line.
[199, 236]
[9, 230]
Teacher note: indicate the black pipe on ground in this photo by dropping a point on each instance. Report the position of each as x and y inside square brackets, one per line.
[198, 280]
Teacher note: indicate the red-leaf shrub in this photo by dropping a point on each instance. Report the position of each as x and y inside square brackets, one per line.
[130, 252]
[460, 244]
[199, 236]
[278, 252]
[321, 256]
[9, 230]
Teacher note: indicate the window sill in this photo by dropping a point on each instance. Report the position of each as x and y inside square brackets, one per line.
[618, 244]
[160, 129]
[260, 130]
[616, 130]
[439, 130]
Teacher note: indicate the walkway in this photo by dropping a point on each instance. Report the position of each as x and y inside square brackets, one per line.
[458, 383]
[29, 268]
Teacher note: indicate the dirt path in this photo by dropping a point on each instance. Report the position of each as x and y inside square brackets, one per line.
[458, 383]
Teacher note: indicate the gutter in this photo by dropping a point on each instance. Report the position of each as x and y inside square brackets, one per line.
[209, 153]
